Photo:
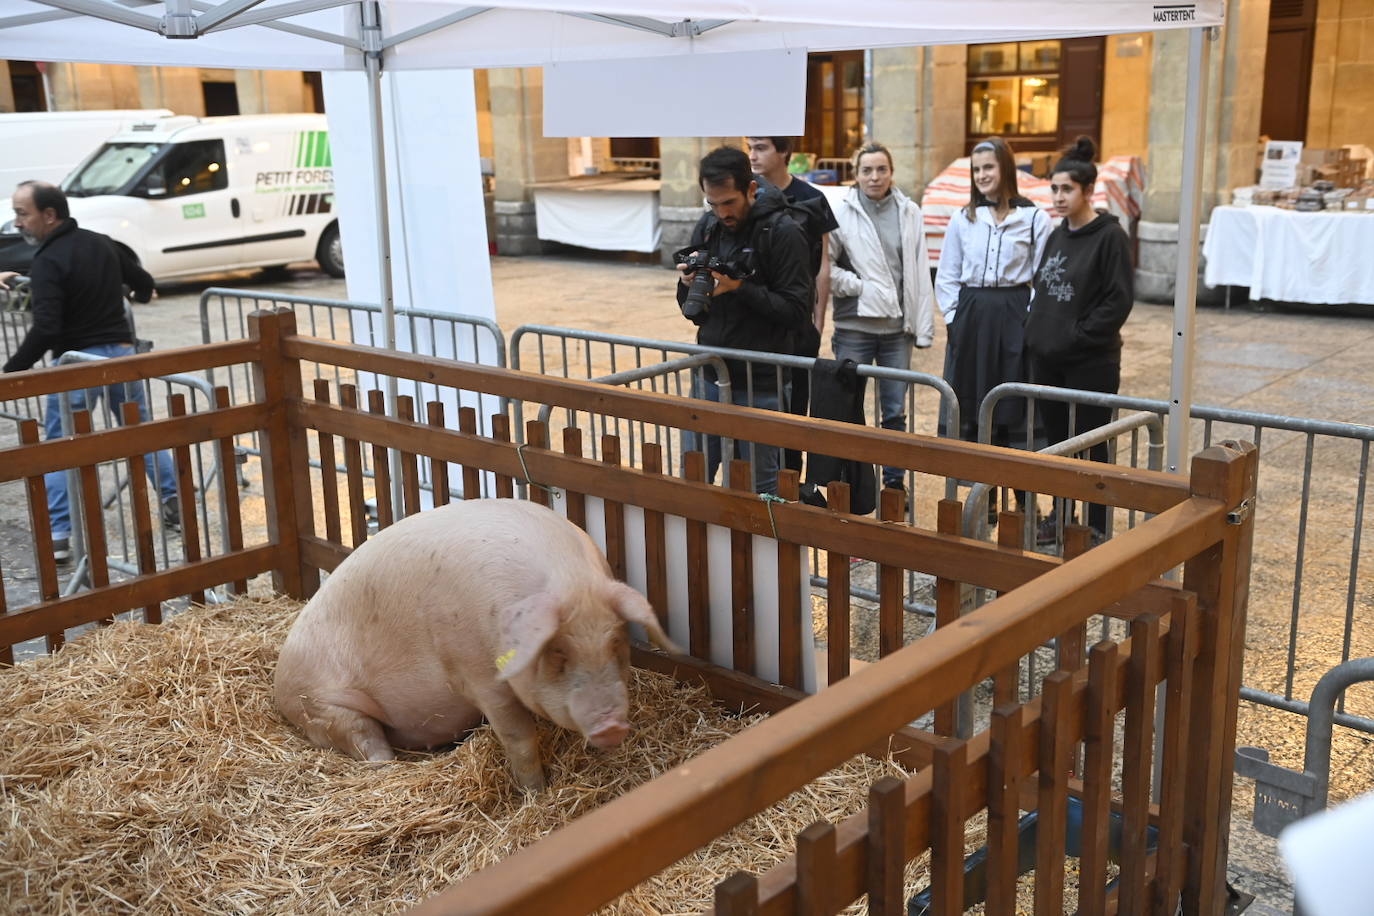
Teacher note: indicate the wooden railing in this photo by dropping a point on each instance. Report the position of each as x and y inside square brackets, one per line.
[1188, 637]
[1010, 767]
[179, 432]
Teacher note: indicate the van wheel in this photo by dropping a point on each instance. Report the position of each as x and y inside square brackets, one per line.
[330, 251]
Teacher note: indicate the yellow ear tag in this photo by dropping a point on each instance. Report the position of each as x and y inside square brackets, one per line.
[503, 660]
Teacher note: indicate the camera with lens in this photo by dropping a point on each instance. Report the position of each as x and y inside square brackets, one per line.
[701, 265]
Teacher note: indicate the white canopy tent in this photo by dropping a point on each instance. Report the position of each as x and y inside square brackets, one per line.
[372, 35]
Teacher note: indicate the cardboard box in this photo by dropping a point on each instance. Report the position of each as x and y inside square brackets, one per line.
[1324, 156]
[1344, 173]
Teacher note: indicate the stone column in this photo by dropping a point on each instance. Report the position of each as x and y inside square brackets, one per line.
[918, 110]
[897, 90]
[89, 87]
[175, 88]
[680, 197]
[522, 155]
[64, 86]
[482, 86]
[1231, 113]
[944, 104]
[1340, 108]
[270, 91]
[1126, 95]
[6, 89]
[123, 86]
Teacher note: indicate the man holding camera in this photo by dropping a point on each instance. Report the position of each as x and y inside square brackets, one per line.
[745, 283]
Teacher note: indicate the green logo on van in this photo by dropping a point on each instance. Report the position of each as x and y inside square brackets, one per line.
[312, 150]
[192, 211]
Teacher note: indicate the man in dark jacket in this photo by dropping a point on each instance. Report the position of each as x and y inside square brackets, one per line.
[760, 311]
[76, 281]
[770, 158]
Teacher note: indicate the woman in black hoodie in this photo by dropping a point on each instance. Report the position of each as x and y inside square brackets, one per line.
[1084, 290]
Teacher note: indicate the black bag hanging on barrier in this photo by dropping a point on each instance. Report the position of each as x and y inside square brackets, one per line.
[837, 393]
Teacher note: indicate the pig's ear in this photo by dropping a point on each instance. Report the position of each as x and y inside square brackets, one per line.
[632, 607]
[525, 629]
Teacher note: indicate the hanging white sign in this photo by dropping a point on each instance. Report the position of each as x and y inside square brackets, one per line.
[753, 93]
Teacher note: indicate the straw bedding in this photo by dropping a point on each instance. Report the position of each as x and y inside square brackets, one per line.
[144, 768]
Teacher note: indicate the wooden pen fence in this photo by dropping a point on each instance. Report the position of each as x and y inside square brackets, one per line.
[1061, 754]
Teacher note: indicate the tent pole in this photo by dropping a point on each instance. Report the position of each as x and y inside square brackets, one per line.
[373, 59]
[1185, 279]
[372, 34]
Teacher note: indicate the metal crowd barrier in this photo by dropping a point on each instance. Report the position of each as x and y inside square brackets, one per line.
[975, 506]
[573, 353]
[1283, 796]
[14, 324]
[447, 335]
[1340, 451]
[114, 505]
[666, 367]
[451, 335]
[199, 396]
[656, 370]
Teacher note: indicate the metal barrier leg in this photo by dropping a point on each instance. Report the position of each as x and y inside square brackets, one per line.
[1283, 796]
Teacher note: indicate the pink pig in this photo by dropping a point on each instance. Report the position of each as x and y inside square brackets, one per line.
[492, 607]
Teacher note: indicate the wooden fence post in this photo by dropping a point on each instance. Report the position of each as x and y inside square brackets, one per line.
[285, 453]
[1220, 577]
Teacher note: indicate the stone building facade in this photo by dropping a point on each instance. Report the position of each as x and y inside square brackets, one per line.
[1129, 95]
[917, 103]
[25, 86]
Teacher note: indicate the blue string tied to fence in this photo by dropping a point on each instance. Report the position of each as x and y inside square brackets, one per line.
[768, 500]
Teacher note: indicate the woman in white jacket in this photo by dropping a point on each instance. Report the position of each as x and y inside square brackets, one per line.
[880, 282]
[991, 250]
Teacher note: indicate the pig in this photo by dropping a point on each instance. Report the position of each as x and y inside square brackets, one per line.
[494, 608]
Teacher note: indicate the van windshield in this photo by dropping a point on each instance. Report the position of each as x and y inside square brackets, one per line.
[110, 169]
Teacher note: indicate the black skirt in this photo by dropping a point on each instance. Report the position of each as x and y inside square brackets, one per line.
[986, 347]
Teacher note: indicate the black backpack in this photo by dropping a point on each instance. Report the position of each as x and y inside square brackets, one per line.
[809, 215]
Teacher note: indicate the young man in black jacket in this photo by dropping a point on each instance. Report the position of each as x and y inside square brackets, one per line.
[76, 280]
[759, 311]
[769, 157]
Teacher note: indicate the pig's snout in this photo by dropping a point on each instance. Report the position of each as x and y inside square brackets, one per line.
[609, 733]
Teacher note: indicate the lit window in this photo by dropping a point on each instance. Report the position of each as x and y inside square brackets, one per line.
[1013, 89]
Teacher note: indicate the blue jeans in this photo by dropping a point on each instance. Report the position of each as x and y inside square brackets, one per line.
[159, 465]
[764, 457]
[892, 351]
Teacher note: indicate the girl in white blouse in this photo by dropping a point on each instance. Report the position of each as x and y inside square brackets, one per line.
[983, 288]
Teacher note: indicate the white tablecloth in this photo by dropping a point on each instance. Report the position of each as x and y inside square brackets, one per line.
[607, 220]
[1325, 258]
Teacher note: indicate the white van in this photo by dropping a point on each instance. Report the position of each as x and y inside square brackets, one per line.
[199, 195]
[47, 145]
